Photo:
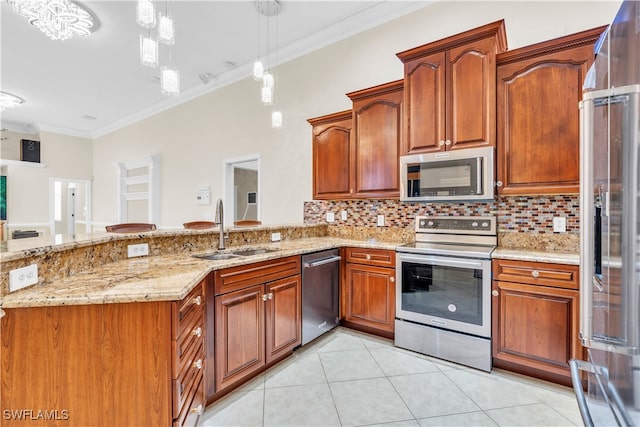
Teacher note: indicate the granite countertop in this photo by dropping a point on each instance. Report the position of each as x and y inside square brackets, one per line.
[536, 256]
[159, 278]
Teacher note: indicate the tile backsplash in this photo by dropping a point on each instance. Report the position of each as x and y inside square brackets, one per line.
[515, 214]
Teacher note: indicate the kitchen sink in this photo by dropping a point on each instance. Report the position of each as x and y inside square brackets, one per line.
[235, 254]
[215, 257]
[249, 252]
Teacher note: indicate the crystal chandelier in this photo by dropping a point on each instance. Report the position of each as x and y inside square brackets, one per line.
[148, 51]
[166, 30]
[8, 100]
[170, 81]
[58, 19]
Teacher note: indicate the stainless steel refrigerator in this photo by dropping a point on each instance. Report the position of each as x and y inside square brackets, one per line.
[607, 385]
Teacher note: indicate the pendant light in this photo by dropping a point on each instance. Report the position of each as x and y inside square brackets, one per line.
[146, 14]
[148, 51]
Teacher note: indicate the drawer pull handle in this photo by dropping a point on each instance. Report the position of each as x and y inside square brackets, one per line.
[197, 409]
[368, 257]
[270, 295]
[535, 273]
[494, 293]
[198, 364]
[197, 300]
[197, 331]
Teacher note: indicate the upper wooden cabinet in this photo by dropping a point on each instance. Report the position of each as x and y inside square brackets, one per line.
[332, 161]
[376, 139]
[539, 88]
[450, 91]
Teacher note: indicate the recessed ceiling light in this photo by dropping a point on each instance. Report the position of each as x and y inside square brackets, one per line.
[88, 117]
[8, 100]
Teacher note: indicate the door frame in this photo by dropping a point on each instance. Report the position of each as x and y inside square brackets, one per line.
[88, 201]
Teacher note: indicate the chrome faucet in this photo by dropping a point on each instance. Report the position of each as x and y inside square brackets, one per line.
[220, 220]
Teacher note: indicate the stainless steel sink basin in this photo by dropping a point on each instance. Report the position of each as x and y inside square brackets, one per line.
[217, 256]
[258, 251]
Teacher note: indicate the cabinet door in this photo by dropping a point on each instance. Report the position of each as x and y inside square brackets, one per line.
[239, 335]
[371, 296]
[535, 328]
[332, 160]
[538, 122]
[283, 317]
[425, 104]
[377, 137]
[471, 99]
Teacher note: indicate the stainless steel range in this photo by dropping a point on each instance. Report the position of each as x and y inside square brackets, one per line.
[443, 293]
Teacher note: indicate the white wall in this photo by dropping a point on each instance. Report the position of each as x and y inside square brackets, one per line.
[194, 138]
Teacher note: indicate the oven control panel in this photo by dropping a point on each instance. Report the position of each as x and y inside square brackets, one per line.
[456, 224]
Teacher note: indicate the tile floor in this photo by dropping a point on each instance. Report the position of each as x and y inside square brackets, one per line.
[347, 378]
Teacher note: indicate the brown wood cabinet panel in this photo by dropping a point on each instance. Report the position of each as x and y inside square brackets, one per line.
[105, 364]
[332, 159]
[535, 328]
[537, 273]
[371, 296]
[239, 326]
[283, 317]
[242, 276]
[538, 90]
[379, 257]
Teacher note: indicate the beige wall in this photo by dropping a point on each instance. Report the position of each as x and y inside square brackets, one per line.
[194, 138]
[28, 188]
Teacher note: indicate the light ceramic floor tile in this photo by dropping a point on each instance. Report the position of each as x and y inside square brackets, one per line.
[368, 401]
[256, 383]
[340, 341]
[432, 394]
[404, 423]
[306, 405]
[470, 419]
[396, 362]
[236, 409]
[298, 370]
[371, 341]
[349, 365]
[529, 415]
[491, 392]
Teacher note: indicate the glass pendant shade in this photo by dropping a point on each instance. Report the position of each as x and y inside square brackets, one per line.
[267, 80]
[58, 19]
[170, 81]
[267, 95]
[258, 70]
[146, 14]
[166, 30]
[8, 100]
[276, 119]
[148, 52]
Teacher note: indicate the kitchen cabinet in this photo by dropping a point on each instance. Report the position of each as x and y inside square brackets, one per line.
[535, 318]
[538, 89]
[258, 318]
[449, 91]
[369, 295]
[332, 160]
[376, 139]
[105, 364]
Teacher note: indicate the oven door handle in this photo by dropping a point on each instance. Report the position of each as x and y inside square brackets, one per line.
[437, 260]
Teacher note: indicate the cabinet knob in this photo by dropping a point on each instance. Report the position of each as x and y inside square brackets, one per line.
[264, 297]
[392, 279]
[441, 143]
[498, 183]
[535, 273]
[198, 364]
[270, 295]
[197, 331]
[197, 300]
[368, 257]
[447, 143]
[197, 409]
[494, 293]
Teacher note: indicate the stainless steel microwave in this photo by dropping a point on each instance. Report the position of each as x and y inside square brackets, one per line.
[465, 174]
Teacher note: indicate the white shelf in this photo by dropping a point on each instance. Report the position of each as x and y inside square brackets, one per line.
[5, 162]
[138, 195]
[137, 179]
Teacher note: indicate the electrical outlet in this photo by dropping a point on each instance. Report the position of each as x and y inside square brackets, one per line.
[23, 277]
[331, 217]
[343, 215]
[559, 224]
[141, 249]
[275, 237]
[380, 220]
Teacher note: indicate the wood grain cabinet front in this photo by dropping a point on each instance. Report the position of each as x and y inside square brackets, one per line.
[538, 89]
[535, 318]
[449, 94]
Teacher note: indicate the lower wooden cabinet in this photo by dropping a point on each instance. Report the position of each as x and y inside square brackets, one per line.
[370, 292]
[255, 323]
[535, 310]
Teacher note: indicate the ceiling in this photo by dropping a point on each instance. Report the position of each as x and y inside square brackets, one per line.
[100, 76]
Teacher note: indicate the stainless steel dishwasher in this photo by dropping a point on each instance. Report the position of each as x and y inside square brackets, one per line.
[320, 293]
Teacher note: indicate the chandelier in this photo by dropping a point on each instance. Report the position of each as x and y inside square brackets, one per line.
[58, 19]
[8, 100]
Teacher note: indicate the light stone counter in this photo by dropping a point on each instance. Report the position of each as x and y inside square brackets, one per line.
[536, 256]
[158, 278]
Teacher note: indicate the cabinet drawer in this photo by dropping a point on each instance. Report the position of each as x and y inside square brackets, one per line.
[243, 276]
[380, 257]
[191, 334]
[185, 310]
[190, 370]
[536, 273]
[191, 412]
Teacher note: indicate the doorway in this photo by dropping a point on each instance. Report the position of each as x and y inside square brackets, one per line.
[69, 206]
[242, 188]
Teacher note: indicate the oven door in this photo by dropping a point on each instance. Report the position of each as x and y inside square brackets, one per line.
[445, 292]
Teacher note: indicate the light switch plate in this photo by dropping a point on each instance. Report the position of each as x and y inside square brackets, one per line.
[559, 224]
[141, 249]
[203, 196]
[380, 220]
[23, 277]
[331, 217]
[343, 215]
